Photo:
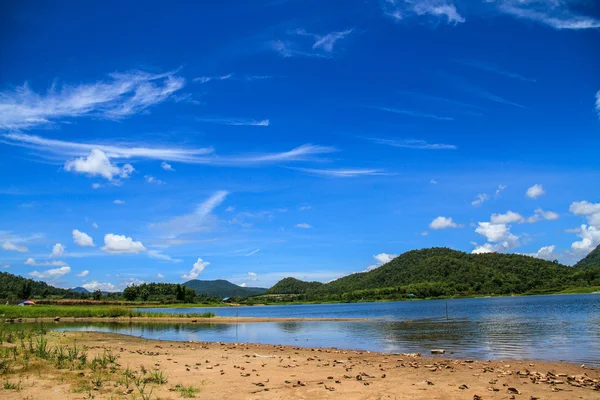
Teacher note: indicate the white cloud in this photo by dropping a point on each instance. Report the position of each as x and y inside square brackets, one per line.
[252, 274]
[342, 173]
[9, 246]
[236, 122]
[58, 250]
[96, 186]
[253, 252]
[119, 202]
[103, 286]
[598, 102]
[56, 263]
[199, 220]
[197, 269]
[535, 191]
[123, 95]
[507, 218]
[324, 42]
[50, 273]
[121, 244]
[97, 163]
[5, 266]
[499, 238]
[480, 199]
[437, 10]
[554, 13]
[160, 276]
[542, 215]
[590, 239]
[94, 225]
[443, 223]
[418, 144]
[380, 259]
[206, 79]
[83, 273]
[157, 255]
[305, 207]
[303, 225]
[166, 166]
[151, 179]
[82, 238]
[584, 208]
[413, 144]
[206, 156]
[499, 190]
[230, 209]
[433, 182]
[546, 253]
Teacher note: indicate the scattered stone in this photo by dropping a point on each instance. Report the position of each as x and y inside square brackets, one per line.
[438, 351]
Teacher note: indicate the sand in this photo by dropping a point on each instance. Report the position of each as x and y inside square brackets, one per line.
[248, 371]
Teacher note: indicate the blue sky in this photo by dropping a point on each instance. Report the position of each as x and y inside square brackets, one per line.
[251, 141]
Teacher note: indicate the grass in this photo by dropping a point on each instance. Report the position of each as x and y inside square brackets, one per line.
[51, 311]
[188, 392]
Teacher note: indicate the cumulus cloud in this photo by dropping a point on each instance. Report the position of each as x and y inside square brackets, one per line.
[546, 253]
[97, 163]
[58, 250]
[157, 255]
[160, 276]
[303, 225]
[535, 191]
[499, 238]
[541, 215]
[103, 286]
[590, 239]
[50, 273]
[151, 179]
[121, 244]
[197, 269]
[166, 166]
[507, 218]
[9, 246]
[83, 239]
[122, 95]
[380, 259]
[443, 223]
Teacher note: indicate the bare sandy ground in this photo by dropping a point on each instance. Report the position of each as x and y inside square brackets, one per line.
[247, 371]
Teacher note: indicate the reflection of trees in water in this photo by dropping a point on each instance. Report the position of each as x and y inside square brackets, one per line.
[146, 329]
[290, 326]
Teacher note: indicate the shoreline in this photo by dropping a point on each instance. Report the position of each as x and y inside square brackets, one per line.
[257, 371]
[183, 320]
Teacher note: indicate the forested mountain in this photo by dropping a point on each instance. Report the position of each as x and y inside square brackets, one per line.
[591, 260]
[293, 286]
[442, 271]
[14, 287]
[80, 289]
[221, 288]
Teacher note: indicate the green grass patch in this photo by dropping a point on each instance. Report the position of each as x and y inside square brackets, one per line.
[188, 392]
[51, 311]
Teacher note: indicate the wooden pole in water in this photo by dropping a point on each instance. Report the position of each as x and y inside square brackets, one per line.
[446, 310]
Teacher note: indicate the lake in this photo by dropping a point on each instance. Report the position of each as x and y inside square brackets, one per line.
[547, 328]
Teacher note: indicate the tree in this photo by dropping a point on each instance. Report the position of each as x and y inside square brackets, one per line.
[130, 293]
[97, 294]
[26, 289]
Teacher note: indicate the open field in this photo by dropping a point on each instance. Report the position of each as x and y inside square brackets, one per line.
[107, 366]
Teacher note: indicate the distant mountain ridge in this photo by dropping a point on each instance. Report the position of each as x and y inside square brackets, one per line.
[440, 271]
[591, 260]
[222, 288]
[80, 289]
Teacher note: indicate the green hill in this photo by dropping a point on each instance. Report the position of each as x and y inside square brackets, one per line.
[14, 287]
[444, 272]
[591, 260]
[221, 288]
[293, 286]
[80, 289]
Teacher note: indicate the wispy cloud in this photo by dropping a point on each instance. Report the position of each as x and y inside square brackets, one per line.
[480, 92]
[413, 113]
[324, 42]
[236, 122]
[413, 144]
[437, 10]
[123, 95]
[598, 102]
[65, 150]
[206, 79]
[490, 68]
[440, 99]
[322, 45]
[201, 219]
[342, 173]
[290, 49]
[157, 255]
[252, 252]
[556, 14]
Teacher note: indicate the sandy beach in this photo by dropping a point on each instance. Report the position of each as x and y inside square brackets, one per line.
[249, 371]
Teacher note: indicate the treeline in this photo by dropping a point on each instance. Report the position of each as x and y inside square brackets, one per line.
[14, 287]
[591, 260]
[440, 272]
[165, 292]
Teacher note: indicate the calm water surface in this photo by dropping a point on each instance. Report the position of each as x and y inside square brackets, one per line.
[550, 328]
